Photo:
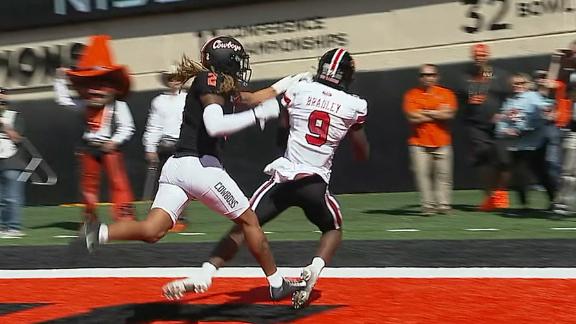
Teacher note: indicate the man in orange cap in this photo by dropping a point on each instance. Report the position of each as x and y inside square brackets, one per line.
[482, 91]
[101, 85]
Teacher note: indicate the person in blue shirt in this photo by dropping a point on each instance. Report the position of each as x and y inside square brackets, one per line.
[520, 127]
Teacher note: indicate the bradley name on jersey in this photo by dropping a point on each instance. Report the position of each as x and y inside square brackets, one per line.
[324, 104]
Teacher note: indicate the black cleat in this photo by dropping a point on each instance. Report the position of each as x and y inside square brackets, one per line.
[87, 240]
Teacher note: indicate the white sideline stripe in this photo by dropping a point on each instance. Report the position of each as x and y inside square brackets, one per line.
[177, 272]
[403, 230]
[190, 234]
[481, 229]
[268, 232]
[564, 228]
[65, 236]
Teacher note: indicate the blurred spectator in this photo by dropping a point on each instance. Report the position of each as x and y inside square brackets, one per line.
[567, 62]
[101, 85]
[553, 118]
[428, 108]
[12, 163]
[482, 91]
[163, 128]
[520, 126]
[566, 197]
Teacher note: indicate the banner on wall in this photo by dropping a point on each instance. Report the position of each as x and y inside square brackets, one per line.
[23, 14]
[293, 35]
[284, 39]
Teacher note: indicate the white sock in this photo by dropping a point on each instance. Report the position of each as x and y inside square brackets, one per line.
[318, 263]
[275, 280]
[209, 269]
[103, 234]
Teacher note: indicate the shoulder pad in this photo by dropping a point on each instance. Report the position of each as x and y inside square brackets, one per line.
[207, 82]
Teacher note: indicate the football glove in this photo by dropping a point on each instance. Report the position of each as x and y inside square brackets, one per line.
[283, 84]
[265, 111]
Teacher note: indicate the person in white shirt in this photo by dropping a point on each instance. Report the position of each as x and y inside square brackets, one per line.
[162, 132]
[109, 124]
[319, 114]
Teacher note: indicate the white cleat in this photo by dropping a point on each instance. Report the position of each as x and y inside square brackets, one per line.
[176, 289]
[300, 298]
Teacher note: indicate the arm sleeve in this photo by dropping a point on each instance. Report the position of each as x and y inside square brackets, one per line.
[218, 124]
[154, 127]
[62, 93]
[408, 103]
[124, 122]
[362, 112]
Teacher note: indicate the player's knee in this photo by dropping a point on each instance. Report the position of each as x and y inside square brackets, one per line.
[335, 232]
[247, 219]
[151, 233]
[236, 235]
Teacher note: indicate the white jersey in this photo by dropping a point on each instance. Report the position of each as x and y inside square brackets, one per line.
[320, 117]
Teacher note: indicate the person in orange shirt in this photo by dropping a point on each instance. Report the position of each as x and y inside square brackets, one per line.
[428, 108]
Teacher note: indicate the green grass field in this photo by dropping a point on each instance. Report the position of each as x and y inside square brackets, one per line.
[379, 216]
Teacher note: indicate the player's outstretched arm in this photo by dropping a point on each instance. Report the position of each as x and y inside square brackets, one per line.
[252, 99]
[219, 124]
[360, 144]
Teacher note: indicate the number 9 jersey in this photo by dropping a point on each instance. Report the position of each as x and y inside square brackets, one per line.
[319, 118]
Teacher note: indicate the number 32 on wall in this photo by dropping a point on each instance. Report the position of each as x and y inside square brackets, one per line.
[480, 22]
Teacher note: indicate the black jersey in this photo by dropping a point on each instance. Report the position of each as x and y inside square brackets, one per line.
[481, 98]
[194, 140]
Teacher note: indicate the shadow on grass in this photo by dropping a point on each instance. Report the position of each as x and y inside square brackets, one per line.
[407, 210]
[465, 208]
[413, 210]
[73, 226]
[520, 213]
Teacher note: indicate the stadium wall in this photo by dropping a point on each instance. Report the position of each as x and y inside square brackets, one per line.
[389, 39]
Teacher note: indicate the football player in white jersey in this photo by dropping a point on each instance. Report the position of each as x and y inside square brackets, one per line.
[319, 114]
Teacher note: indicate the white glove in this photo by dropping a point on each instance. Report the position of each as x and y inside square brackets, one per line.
[265, 111]
[283, 84]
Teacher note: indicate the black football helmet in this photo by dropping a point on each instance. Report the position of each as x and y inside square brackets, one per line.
[225, 54]
[336, 69]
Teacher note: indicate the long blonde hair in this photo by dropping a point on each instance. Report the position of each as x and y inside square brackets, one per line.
[188, 68]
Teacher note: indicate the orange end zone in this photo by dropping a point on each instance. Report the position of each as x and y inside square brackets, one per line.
[336, 300]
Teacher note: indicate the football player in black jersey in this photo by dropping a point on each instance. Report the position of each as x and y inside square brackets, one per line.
[195, 170]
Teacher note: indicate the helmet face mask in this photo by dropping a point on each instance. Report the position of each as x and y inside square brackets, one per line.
[245, 72]
[225, 54]
[336, 69]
